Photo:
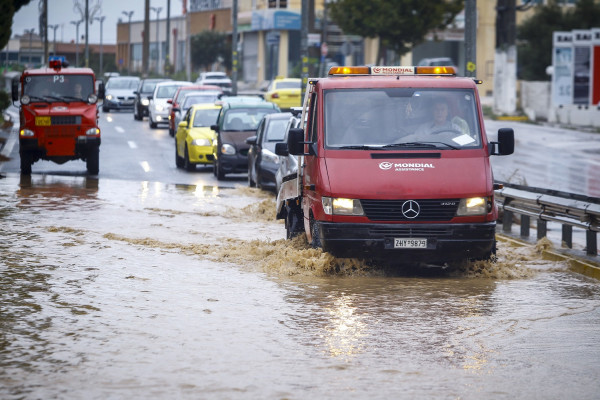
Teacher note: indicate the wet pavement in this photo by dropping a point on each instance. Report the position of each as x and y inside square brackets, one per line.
[123, 289]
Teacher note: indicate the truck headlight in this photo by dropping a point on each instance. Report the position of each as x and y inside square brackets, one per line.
[92, 98]
[201, 142]
[227, 149]
[92, 132]
[342, 206]
[473, 206]
[26, 133]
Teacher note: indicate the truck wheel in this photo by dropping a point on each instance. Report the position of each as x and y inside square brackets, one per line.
[93, 161]
[178, 160]
[26, 161]
[314, 232]
[187, 164]
[294, 224]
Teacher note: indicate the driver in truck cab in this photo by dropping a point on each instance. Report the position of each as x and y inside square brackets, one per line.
[394, 163]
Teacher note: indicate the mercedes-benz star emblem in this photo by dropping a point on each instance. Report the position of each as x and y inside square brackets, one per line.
[410, 209]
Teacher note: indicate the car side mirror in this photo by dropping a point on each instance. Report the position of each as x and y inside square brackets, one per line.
[15, 89]
[136, 92]
[251, 140]
[215, 128]
[170, 101]
[176, 109]
[281, 149]
[505, 144]
[101, 90]
[183, 124]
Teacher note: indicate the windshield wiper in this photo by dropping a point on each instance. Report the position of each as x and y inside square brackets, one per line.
[72, 98]
[419, 145]
[37, 98]
[358, 147]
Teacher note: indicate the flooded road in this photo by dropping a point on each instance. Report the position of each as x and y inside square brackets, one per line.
[121, 289]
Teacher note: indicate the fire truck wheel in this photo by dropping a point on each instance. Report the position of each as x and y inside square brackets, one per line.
[93, 161]
[314, 232]
[26, 161]
[293, 222]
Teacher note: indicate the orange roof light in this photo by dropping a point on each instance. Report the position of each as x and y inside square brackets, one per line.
[393, 70]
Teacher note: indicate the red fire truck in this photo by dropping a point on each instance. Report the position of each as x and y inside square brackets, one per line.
[58, 115]
[394, 163]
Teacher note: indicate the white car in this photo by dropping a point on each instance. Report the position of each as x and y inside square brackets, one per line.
[215, 78]
[158, 110]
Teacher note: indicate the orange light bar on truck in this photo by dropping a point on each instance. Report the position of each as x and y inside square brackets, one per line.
[393, 70]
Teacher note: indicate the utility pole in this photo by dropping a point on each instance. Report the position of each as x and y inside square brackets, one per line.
[167, 47]
[87, 28]
[44, 28]
[304, 47]
[146, 39]
[234, 45]
[471, 38]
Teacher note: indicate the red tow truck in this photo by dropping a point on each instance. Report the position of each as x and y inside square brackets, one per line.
[394, 164]
[58, 115]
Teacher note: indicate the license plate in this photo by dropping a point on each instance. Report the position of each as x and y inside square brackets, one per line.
[412, 243]
[43, 121]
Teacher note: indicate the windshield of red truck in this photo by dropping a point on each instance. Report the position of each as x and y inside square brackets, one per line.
[401, 117]
[58, 87]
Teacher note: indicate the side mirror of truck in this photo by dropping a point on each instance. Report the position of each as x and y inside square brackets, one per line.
[15, 90]
[505, 144]
[295, 141]
[281, 149]
[101, 90]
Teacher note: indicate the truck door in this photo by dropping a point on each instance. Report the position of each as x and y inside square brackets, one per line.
[311, 163]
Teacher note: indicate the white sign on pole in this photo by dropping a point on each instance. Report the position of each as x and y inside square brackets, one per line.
[562, 61]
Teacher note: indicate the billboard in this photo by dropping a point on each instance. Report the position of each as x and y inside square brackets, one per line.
[595, 84]
[582, 46]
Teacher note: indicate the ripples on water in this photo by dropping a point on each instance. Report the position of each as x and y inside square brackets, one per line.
[137, 290]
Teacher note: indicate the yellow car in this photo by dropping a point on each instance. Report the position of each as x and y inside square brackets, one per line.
[285, 92]
[194, 138]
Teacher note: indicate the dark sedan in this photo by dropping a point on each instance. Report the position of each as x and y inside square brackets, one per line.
[142, 95]
[263, 163]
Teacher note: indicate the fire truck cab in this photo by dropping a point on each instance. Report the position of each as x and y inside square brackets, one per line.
[58, 115]
[394, 164]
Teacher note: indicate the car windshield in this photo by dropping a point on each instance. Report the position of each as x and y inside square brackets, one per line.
[401, 118]
[199, 99]
[148, 87]
[166, 92]
[117, 83]
[288, 85]
[203, 118]
[276, 130]
[245, 119]
[58, 87]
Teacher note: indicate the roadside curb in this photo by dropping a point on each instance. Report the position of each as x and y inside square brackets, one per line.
[584, 267]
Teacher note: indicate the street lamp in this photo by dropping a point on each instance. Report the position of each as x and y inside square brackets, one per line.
[101, 19]
[30, 33]
[55, 27]
[128, 14]
[157, 10]
[76, 23]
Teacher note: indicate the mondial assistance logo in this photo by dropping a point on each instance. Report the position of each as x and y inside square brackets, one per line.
[405, 166]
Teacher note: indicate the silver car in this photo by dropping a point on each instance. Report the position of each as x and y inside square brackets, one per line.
[158, 109]
[288, 164]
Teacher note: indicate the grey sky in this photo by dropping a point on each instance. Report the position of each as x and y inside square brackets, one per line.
[62, 12]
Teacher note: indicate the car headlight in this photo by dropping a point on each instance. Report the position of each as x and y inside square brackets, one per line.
[158, 107]
[342, 206]
[227, 149]
[473, 206]
[269, 156]
[145, 102]
[109, 97]
[201, 142]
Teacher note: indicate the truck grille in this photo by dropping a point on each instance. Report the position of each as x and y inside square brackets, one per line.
[429, 210]
[66, 120]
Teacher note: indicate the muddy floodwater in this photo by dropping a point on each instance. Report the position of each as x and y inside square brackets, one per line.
[139, 290]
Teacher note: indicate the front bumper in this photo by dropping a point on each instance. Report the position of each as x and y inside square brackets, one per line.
[232, 164]
[83, 145]
[201, 154]
[119, 104]
[445, 242]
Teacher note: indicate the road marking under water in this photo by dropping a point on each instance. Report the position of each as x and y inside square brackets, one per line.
[132, 144]
[119, 129]
[145, 166]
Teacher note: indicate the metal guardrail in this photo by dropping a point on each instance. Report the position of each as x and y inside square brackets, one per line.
[570, 210]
